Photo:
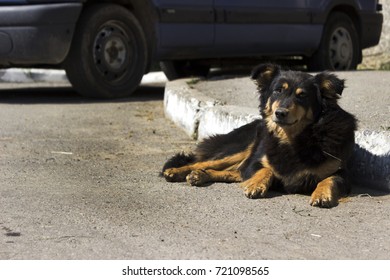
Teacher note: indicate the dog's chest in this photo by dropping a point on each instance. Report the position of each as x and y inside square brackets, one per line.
[297, 175]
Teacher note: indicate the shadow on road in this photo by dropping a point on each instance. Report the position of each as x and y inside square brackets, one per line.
[370, 173]
[67, 95]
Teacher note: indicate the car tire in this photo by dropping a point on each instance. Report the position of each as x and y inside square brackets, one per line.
[178, 69]
[339, 49]
[108, 55]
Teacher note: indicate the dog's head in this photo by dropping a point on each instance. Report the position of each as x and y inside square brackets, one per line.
[292, 100]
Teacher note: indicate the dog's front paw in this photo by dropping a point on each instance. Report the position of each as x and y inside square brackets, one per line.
[253, 189]
[174, 175]
[197, 177]
[323, 199]
[325, 195]
[257, 186]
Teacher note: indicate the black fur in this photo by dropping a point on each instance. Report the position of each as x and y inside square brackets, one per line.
[179, 160]
[222, 145]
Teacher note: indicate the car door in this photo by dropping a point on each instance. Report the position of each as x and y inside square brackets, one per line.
[185, 26]
[265, 27]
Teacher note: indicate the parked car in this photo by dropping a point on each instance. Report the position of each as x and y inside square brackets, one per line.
[107, 46]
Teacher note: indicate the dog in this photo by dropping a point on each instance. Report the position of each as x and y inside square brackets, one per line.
[301, 143]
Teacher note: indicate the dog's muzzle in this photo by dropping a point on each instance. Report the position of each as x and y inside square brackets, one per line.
[280, 117]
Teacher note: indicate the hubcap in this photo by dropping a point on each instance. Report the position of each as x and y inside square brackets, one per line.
[115, 53]
[341, 49]
[112, 52]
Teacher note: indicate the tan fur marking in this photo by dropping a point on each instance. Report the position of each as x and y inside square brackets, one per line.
[310, 115]
[268, 109]
[264, 75]
[285, 86]
[267, 73]
[219, 164]
[299, 115]
[326, 84]
[265, 163]
[298, 91]
[296, 113]
[277, 130]
[275, 106]
[328, 90]
[271, 125]
[225, 176]
[326, 194]
[224, 163]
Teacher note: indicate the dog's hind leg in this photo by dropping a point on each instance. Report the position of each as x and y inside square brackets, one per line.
[179, 174]
[176, 174]
[200, 177]
[179, 160]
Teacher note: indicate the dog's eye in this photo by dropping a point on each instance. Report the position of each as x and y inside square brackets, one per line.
[277, 90]
[300, 93]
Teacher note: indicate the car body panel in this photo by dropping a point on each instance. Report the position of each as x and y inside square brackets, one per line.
[39, 32]
[36, 34]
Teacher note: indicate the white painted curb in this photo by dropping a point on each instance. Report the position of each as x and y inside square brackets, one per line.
[185, 106]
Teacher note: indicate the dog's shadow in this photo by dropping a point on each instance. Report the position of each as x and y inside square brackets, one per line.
[370, 173]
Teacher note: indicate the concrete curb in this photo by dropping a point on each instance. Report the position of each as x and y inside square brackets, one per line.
[201, 116]
[221, 119]
[185, 106]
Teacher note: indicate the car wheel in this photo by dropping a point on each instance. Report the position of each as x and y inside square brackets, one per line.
[339, 48]
[184, 68]
[108, 55]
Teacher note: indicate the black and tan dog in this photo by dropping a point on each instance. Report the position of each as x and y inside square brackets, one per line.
[302, 143]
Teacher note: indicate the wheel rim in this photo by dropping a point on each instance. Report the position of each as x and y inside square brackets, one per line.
[340, 49]
[112, 52]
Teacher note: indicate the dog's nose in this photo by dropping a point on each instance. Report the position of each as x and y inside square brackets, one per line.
[281, 113]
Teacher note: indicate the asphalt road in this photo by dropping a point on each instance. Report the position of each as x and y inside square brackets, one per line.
[79, 179]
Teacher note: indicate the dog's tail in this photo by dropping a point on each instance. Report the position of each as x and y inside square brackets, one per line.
[179, 160]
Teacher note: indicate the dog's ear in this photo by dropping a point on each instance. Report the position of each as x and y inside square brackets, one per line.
[330, 86]
[263, 75]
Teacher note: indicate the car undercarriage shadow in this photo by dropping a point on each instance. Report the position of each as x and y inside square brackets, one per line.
[65, 94]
